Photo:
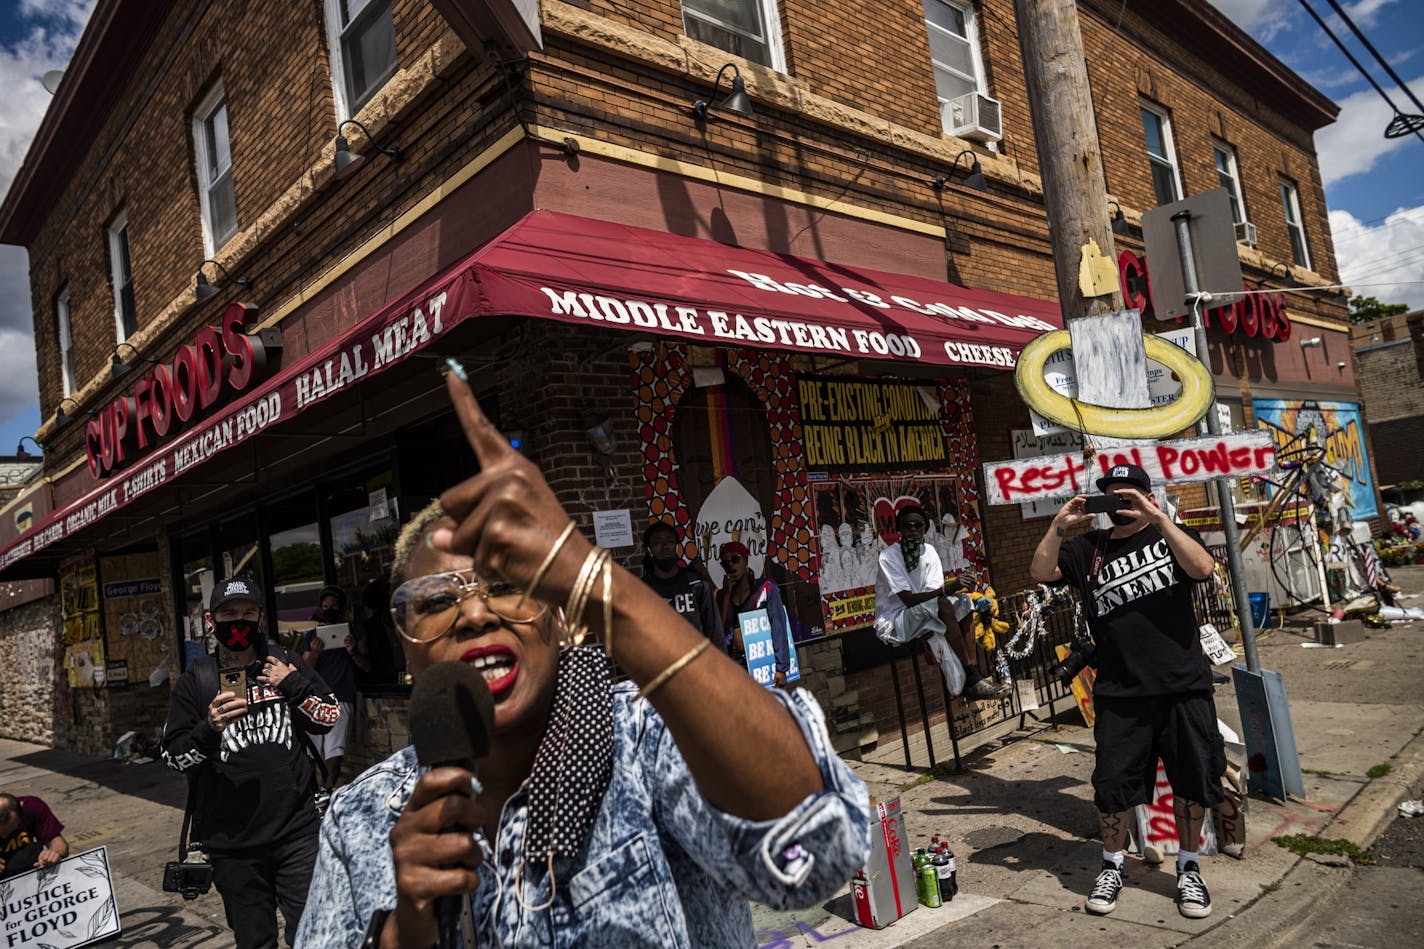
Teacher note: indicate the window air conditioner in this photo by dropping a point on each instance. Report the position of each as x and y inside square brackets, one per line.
[972, 116]
[1246, 233]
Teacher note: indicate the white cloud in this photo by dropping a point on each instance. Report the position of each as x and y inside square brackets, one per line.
[1363, 12]
[1355, 142]
[1263, 19]
[49, 30]
[1385, 260]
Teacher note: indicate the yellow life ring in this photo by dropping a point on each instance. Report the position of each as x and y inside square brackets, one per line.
[1159, 421]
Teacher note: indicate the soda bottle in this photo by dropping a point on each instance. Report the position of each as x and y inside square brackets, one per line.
[953, 870]
[920, 858]
[942, 873]
[927, 884]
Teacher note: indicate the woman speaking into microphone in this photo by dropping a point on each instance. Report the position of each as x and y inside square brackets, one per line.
[647, 813]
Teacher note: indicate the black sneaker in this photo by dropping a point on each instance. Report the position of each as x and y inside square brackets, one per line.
[1103, 899]
[1193, 900]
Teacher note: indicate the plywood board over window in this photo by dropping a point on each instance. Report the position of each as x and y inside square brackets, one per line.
[138, 634]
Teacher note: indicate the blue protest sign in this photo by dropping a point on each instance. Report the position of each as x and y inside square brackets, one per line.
[761, 656]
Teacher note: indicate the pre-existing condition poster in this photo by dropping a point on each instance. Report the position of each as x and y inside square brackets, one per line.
[855, 521]
[1335, 425]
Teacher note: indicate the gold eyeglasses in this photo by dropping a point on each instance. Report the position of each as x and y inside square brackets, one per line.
[425, 608]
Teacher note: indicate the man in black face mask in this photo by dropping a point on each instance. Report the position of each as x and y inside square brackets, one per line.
[1153, 690]
[686, 590]
[253, 781]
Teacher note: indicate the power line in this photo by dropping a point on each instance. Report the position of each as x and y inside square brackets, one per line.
[1378, 58]
[1356, 63]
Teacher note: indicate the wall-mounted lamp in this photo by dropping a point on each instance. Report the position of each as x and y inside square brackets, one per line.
[117, 367]
[1314, 342]
[600, 434]
[975, 178]
[736, 101]
[1119, 220]
[1340, 365]
[1287, 274]
[346, 162]
[202, 289]
[20, 448]
[60, 416]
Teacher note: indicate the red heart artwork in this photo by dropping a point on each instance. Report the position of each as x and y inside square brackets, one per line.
[885, 511]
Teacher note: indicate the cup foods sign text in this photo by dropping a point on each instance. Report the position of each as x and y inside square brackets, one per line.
[221, 361]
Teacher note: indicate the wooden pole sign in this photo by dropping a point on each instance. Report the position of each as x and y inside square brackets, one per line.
[1186, 460]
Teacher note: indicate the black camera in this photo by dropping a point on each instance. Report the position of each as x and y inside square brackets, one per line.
[1081, 656]
[1106, 504]
[191, 877]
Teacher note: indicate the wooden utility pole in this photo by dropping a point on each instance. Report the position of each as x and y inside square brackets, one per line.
[1069, 159]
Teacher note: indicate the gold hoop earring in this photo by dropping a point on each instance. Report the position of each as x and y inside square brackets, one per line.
[563, 628]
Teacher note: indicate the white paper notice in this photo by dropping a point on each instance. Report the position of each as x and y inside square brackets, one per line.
[612, 529]
[378, 506]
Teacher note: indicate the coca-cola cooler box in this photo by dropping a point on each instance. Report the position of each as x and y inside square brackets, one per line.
[884, 890]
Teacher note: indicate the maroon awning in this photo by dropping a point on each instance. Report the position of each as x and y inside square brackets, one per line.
[557, 266]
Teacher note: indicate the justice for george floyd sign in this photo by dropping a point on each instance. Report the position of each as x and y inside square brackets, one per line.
[1178, 462]
[70, 904]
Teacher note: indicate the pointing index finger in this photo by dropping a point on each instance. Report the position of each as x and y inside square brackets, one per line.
[488, 444]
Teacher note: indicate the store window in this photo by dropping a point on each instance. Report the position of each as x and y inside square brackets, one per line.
[195, 563]
[363, 51]
[1229, 176]
[121, 278]
[746, 28]
[66, 341]
[214, 154]
[954, 51]
[362, 520]
[298, 566]
[1161, 154]
[1295, 223]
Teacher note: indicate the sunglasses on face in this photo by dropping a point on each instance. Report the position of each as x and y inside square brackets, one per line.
[426, 608]
[731, 559]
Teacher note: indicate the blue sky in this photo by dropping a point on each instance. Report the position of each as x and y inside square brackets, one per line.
[1374, 187]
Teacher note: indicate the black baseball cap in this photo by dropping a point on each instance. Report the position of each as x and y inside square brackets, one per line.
[236, 588]
[1131, 474]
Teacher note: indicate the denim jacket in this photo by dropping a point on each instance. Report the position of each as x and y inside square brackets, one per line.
[662, 866]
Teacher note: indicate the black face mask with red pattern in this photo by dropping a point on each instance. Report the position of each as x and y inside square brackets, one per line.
[236, 634]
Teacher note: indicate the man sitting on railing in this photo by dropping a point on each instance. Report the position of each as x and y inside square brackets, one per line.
[913, 599]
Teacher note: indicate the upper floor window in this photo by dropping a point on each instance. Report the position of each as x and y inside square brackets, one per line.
[1295, 224]
[66, 342]
[745, 28]
[954, 48]
[121, 279]
[363, 50]
[1230, 178]
[1161, 155]
[215, 196]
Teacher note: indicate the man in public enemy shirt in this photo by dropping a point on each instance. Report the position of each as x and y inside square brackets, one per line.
[686, 590]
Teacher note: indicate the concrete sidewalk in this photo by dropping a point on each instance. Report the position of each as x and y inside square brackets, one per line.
[135, 811]
[1021, 822]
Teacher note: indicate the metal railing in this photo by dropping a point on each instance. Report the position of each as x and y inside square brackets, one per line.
[1213, 604]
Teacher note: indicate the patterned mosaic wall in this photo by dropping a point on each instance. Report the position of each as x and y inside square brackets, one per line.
[663, 376]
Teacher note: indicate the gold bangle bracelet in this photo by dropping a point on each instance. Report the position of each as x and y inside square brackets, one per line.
[608, 607]
[580, 592]
[548, 562]
[673, 669]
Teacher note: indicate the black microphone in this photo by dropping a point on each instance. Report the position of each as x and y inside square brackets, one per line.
[451, 717]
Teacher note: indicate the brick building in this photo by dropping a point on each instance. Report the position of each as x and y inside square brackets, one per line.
[1390, 356]
[745, 296]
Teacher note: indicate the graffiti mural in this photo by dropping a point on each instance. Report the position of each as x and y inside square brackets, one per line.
[724, 458]
[1336, 425]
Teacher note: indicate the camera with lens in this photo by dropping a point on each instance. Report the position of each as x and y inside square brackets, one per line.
[191, 876]
[1083, 655]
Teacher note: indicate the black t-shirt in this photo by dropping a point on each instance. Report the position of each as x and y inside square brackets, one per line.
[1138, 601]
[691, 595]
